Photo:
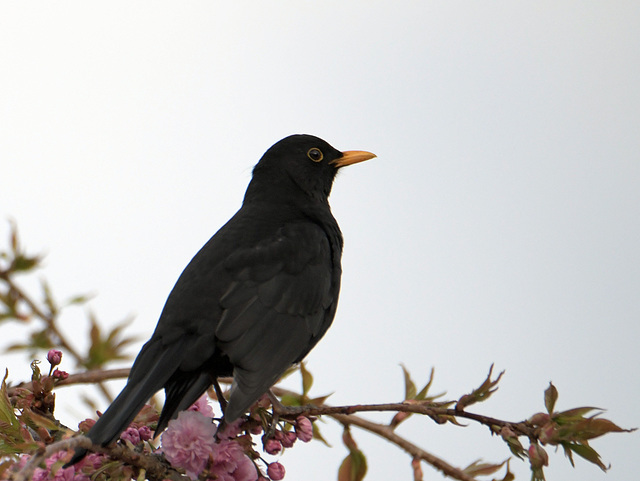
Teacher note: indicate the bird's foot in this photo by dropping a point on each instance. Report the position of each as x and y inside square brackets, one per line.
[220, 395]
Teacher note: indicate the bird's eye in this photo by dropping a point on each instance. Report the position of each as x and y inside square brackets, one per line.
[315, 154]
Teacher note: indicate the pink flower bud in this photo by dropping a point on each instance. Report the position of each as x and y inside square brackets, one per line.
[85, 425]
[256, 430]
[538, 457]
[506, 433]
[275, 471]
[57, 374]
[287, 438]
[539, 419]
[145, 433]
[54, 357]
[132, 435]
[304, 429]
[548, 433]
[272, 446]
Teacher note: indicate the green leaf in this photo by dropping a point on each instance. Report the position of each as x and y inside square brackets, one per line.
[22, 263]
[317, 435]
[573, 414]
[77, 300]
[590, 428]
[109, 347]
[410, 390]
[550, 398]
[423, 392]
[291, 400]
[7, 415]
[584, 451]
[13, 439]
[307, 379]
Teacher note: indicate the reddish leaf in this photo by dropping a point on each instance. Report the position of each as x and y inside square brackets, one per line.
[482, 393]
[354, 466]
[482, 469]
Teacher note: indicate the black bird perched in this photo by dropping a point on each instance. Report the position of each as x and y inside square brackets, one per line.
[254, 300]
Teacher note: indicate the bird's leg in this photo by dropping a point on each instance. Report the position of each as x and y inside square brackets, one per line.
[276, 407]
[220, 395]
[280, 409]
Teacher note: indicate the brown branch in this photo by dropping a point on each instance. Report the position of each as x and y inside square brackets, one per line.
[520, 428]
[87, 377]
[154, 468]
[416, 452]
[343, 414]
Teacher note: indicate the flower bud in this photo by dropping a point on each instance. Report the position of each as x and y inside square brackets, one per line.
[506, 433]
[275, 471]
[304, 429]
[58, 374]
[257, 430]
[287, 438]
[272, 446]
[85, 425]
[145, 433]
[539, 419]
[54, 357]
[132, 435]
[538, 457]
[548, 433]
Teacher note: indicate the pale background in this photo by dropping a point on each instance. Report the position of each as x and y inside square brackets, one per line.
[499, 224]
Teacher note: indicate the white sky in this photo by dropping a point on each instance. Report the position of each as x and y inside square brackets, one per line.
[499, 223]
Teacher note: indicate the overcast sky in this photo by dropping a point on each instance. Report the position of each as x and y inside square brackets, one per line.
[499, 224]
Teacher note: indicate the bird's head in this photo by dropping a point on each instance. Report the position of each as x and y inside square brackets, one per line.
[304, 162]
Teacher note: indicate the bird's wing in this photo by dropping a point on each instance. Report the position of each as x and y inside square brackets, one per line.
[277, 304]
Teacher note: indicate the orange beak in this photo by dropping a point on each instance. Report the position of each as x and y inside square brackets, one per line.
[352, 157]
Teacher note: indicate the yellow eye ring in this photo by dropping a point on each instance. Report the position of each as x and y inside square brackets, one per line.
[315, 154]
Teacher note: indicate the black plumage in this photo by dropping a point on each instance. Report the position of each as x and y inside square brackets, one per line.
[254, 300]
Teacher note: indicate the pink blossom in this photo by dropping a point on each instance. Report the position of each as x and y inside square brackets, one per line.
[276, 471]
[231, 430]
[132, 435]
[188, 442]
[230, 463]
[91, 462]
[54, 357]
[88, 466]
[40, 474]
[60, 474]
[202, 406]
[304, 429]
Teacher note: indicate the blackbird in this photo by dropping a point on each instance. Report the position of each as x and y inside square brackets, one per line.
[254, 300]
